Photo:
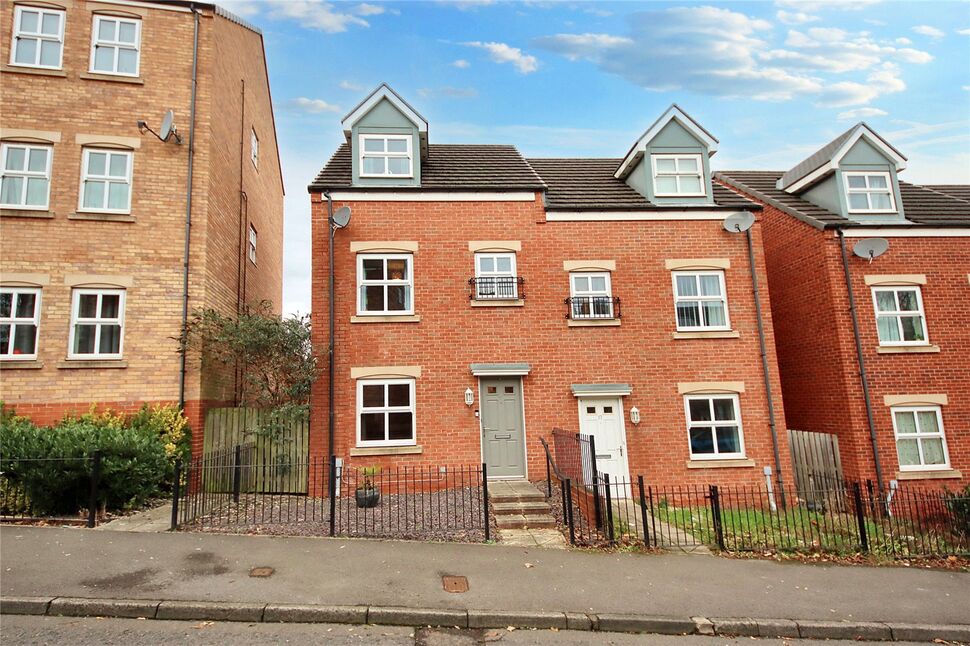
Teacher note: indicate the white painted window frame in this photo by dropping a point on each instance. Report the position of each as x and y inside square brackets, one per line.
[13, 321]
[116, 44]
[867, 191]
[410, 408]
[18, 34]
[408, 155]
[107, 179]
[98, 322]
[919, 436]
[254, 148]
[709, 397]
[479, 255]
[253, 239]
[27, 174]
[608, 292]
[678, 298]
[361, 283]
[699, 174]
[898, 314]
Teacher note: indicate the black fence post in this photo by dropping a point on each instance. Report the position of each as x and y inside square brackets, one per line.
[488, 529]
[236, 473]
[716, 515]
[643, 512]
[95, 481]
[597, 510]
[332, 486]
[176, 494]
[609, 509]
[548, 476]
[568, 510]
[860, 516]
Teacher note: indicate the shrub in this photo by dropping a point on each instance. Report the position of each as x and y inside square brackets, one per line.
[169, 425]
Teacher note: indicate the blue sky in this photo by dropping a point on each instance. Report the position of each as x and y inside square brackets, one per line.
[773, 81]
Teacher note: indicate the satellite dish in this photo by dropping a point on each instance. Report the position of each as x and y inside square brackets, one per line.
[341, 217]
[168, 126]
[871, 248]
[738, 222]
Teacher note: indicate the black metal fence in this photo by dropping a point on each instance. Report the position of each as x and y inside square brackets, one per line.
[496, 288]
[229, 492]
[582, 308]
[25, 494]
[849, 517]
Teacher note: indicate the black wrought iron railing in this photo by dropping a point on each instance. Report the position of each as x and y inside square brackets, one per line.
[584, 308]
[496, 288]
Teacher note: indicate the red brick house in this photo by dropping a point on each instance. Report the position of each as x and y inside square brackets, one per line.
[482, 299]
[899, 398]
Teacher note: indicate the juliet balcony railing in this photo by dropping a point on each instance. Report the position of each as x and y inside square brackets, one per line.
[496, 288]
[592, 308]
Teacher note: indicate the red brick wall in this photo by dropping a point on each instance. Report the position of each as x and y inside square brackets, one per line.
[451, 334]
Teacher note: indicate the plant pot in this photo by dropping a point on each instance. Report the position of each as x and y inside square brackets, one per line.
[367, 498]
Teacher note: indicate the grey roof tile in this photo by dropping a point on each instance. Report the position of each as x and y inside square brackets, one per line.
[959, 191]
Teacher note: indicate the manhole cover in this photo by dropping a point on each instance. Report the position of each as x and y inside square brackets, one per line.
[454, 583]
[261, 572]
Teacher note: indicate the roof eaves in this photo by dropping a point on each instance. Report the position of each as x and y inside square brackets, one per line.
[731, 182]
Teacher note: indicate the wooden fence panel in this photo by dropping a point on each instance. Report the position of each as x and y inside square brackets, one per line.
[817, 466]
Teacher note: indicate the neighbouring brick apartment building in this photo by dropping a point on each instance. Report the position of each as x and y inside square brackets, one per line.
[93, 207]
[911, 301]
[483, 299]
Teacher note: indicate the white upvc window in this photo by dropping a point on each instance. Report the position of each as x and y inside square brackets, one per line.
[869, 192]
[384, 284]
[38, 37]
[254, 148]
[385, 412]
[714, 427]
[590, 295]
[252, 244]
[385, 156]
[25, 176]
[700, 301]
[115, 45]
[106, 181]
[920, 441]
[678, 175]
[97, 324]
[19, 323]
[495, 277]
[899, 315]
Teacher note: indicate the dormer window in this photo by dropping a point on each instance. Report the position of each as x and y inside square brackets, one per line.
[869, 192]
[385, 156]
[678, 176]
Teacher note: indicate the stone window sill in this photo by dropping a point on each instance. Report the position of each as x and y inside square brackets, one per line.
[385, 450]
[32, 364]
[707, 334]
[412, 318]
[719, 464]
[39, 71]
[928, 475]
[25, 213]
[595, 323]
[509, 303]
[101, 217]
[91, 76]
[68, 364]
[907, 349]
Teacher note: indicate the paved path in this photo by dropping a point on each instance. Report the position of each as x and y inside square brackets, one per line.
[48, 561]
[154, 520]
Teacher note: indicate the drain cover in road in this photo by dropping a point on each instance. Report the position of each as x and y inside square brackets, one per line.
[454, 583]
[261, 572]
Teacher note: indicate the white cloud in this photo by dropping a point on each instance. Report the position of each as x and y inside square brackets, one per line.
[903, 41]
[861, 113]
[461, 64]
[926, 30]
[351, 86]
[502, 53]
[833, 5]
[963, 32]
[795, 17]
[322, 16]
[313, 106]
[365, 9]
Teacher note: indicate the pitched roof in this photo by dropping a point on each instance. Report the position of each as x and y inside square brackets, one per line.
[447, 167]
[589, 184]
[674, 112]
[959, 191]
[921, 205]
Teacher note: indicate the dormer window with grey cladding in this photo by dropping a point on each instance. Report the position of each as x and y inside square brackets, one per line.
[868, 192]
[385, 156]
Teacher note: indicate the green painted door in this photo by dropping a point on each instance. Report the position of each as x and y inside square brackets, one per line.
[503, 428]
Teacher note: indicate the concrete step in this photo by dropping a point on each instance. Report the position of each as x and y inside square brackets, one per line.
[520, 521]
[520, 508]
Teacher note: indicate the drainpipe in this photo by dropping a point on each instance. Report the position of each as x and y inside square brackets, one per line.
[862, 363]
[240, 239]
[330, 345]
[764, 368]
[188, 199]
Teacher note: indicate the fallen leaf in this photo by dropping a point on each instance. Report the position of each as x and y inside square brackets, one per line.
[529, 565]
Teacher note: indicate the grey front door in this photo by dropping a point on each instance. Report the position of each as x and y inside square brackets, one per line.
[503, 433]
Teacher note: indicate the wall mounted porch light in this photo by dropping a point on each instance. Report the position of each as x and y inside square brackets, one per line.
[469, 397]
[635, 415]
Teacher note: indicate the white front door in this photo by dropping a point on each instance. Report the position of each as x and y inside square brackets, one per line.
[602, 418]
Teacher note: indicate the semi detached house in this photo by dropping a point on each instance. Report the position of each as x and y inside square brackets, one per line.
[483, 299]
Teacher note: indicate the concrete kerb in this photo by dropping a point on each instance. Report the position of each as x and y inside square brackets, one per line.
[449, 617]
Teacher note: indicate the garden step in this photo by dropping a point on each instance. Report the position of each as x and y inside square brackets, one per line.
[514, 491]
[519, 521]
[520, 508]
